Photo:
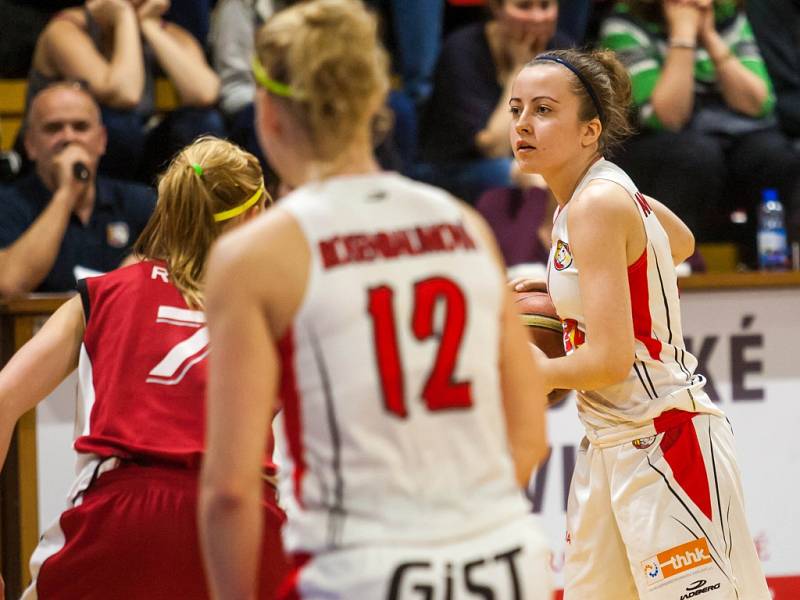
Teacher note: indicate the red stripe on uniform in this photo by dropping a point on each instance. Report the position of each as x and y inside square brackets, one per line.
[682, 452]
[290, 588]
[640, 306]
[291, 412]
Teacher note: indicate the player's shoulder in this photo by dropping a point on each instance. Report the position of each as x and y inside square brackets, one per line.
[602, 196]
[131, 282]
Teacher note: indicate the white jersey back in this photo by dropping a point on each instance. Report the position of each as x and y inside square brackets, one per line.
[662, 375]
[390, 384]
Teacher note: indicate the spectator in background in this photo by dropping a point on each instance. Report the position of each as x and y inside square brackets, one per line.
[232, 40]
[709, 142]
[415, 33]
[464, 134]
[777, 29]
[192, 15]
[52, 221]
[574, 17]
[22, 21]
[117, 47]
[233, 29]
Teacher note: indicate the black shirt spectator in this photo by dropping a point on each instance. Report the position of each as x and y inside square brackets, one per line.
[120, 213]
[62, 216]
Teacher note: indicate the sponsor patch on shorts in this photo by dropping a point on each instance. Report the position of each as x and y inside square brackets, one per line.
[677, 560]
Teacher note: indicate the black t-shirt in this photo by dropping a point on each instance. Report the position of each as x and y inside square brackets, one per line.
[465, 94]
[120, 213]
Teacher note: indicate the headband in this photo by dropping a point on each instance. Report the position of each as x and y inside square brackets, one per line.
[237, 210]
[264, 80]
[585, 82]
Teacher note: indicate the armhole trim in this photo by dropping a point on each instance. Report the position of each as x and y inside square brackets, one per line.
[83, 290]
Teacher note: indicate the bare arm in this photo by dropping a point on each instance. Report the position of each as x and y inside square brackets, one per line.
[524, 400]
[244, 371]
[38, 367]
[673, 96]
[602, 224]
[742, 89]
[243, 378]
[492, 140]
[681, 239]
[183, 61]
[117, 82]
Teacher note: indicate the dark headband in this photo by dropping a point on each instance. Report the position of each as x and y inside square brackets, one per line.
[587, 86]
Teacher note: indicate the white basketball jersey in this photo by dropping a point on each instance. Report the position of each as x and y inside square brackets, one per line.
[662, 375]
[390, 385]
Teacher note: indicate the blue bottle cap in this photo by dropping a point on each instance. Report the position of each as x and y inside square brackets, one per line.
[769, 195]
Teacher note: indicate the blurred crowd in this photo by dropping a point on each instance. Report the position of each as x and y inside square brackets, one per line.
[716, 88]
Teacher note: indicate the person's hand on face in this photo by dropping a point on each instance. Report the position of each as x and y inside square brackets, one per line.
[528, 25]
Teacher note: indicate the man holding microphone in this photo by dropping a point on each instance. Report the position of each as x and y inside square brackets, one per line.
[61, 222]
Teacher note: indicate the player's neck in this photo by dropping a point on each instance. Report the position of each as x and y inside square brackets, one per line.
[356, 160]
[565, 180]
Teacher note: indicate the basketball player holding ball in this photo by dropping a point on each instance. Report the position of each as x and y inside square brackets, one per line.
[375, 309]
[138, 338]
[655, 508]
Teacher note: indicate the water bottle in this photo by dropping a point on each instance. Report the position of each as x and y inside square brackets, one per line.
[773, 251]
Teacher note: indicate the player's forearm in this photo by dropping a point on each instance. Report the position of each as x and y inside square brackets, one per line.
[230, 529]
[589, 368]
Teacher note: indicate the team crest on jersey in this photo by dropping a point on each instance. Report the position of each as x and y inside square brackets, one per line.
[644, 442]
[563, 257]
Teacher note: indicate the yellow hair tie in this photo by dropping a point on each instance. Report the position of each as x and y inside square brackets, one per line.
[237, 210]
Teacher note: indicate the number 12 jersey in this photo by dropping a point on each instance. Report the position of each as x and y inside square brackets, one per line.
[394, 428]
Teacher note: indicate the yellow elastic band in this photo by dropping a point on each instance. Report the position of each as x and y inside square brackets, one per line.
[541, 321]
[264, 80]
[237, 210]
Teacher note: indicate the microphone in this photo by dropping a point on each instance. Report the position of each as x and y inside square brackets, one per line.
[80, 172]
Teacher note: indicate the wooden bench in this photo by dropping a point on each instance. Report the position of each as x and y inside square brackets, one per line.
[12, 106]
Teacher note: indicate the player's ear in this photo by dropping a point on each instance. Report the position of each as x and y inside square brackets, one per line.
[266, 109]
[591, 132]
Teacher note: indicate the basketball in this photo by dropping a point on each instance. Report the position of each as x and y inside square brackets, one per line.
[544, 329]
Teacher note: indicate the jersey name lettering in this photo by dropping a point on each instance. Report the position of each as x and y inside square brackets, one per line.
[359, 247]
[159, 273]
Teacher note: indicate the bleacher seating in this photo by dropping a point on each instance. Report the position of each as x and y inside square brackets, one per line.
[12, 106]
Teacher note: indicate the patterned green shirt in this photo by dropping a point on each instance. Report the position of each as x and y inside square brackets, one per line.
[642, 48]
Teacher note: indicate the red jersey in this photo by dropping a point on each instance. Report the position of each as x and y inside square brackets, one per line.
[142, 369]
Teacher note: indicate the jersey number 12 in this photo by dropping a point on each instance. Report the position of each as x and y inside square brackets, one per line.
[440, 392]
